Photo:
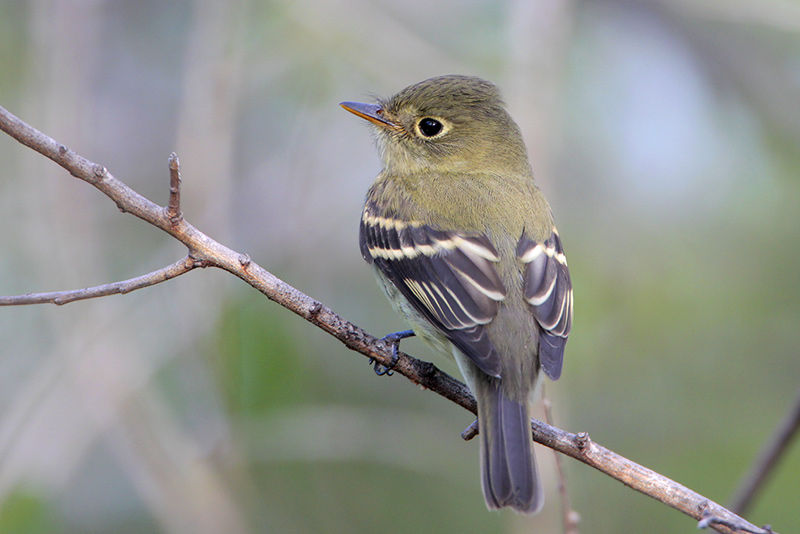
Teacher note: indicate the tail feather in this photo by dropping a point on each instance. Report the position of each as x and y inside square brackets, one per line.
[508, 467]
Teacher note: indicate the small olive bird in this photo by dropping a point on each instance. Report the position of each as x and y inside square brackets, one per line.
[463, 243]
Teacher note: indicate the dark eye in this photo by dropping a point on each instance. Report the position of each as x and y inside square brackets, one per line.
[429, 127]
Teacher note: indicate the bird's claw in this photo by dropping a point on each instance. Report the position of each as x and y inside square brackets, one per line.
[394, 340]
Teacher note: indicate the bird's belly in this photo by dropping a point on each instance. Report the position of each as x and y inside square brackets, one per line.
[419, 324]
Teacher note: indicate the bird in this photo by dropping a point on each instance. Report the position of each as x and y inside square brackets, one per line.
[464, 245]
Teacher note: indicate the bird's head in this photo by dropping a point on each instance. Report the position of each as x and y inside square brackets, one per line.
[445, 124]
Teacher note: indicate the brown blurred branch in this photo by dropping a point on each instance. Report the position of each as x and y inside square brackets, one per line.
[767, 459]
[570, 519]
[205, 252]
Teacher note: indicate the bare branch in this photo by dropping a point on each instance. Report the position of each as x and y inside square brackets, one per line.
[582, 448]
[767, 459]
[126, 286]
[204, 251]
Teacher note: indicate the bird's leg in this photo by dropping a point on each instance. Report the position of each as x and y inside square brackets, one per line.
[394, 340]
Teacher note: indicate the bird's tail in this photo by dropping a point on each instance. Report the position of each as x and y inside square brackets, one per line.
[508, 467]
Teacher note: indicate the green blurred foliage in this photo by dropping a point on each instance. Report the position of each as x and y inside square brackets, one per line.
[23, 513]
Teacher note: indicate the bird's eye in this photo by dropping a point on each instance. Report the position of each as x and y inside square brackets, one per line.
[430, 127]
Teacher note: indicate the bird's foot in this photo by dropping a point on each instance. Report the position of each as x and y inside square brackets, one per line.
[394, 340]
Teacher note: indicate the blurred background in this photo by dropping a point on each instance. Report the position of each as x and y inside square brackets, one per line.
[666, 134]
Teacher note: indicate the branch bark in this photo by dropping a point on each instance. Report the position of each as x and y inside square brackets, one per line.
[117, 288]
[206, 252]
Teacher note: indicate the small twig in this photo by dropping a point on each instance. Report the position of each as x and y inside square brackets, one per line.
[117, 288]
[174, 205]
[471, 431]
[767, 459]
[569, 517]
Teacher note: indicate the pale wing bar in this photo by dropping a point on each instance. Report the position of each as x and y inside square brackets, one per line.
[548, 289]
[448, 278]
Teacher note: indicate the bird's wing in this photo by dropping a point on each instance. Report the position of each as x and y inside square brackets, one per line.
[449, 278]
[548, 290]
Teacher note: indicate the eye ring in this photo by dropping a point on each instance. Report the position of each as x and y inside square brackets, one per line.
[430, 127]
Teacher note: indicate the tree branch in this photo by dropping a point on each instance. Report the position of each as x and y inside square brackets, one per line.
[117, 288]
[204, 252]
[767, 459]
[582, 448]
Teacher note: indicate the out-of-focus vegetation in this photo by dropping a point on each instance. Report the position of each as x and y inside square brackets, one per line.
[665, 133]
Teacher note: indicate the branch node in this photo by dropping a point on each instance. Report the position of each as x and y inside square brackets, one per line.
[315, 308]
[582, 440]
[124, 289]
[349, 333]
[245, 261]
[197, 261]
[99, 172]
[62, 149]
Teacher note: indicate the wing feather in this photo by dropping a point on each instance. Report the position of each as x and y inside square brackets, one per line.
[548, 289]
[448, 278]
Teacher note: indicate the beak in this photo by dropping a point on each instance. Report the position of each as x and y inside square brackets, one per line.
[371, 112]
